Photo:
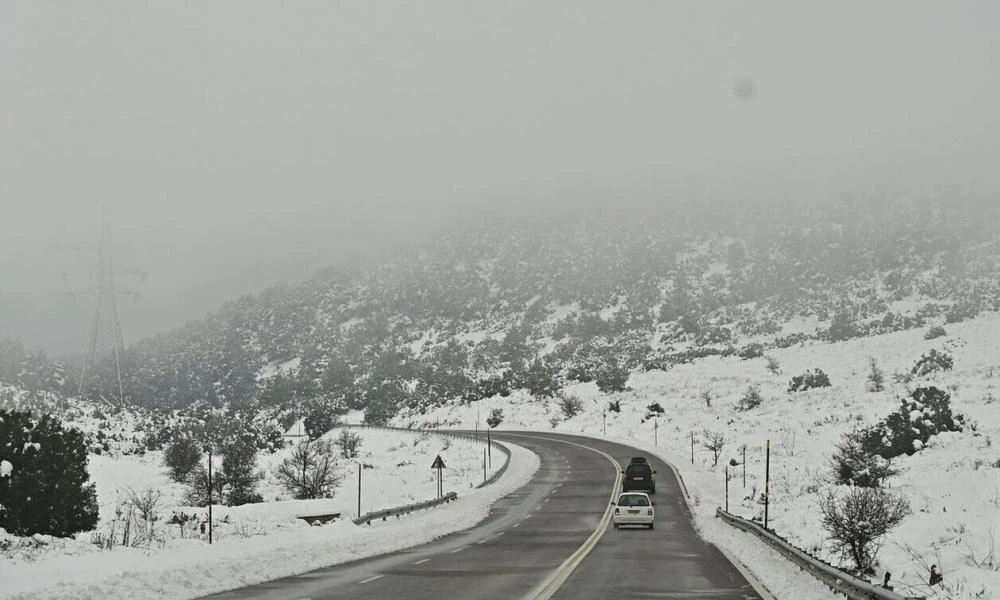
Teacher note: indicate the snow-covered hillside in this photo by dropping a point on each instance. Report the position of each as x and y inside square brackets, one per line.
[255, 542]
[953, 484]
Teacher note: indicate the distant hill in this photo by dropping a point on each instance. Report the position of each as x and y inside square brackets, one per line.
[494, 307]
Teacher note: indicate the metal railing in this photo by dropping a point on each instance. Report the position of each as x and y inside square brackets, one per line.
[404, 510]
[408, 508]
[839, 581]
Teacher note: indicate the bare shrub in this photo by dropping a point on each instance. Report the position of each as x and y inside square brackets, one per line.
[876, 376]
[858, 520]
[569, 404]
[773, 365]
[713, 441]
[349, 443]
[707, 396]
[310, 472]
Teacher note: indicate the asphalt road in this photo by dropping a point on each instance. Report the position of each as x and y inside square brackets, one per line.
[530, 533]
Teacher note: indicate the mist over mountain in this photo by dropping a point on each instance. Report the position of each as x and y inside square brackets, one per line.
[509, 304]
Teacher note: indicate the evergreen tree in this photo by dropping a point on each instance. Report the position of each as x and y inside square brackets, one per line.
[239, 470]
[44, 484]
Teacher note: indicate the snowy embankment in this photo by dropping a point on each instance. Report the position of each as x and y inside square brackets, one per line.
[259, 542]
[953, 484]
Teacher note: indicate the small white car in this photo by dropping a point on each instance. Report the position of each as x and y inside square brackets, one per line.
[633, 508]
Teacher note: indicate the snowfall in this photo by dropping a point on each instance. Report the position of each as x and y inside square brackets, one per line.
[953, 484]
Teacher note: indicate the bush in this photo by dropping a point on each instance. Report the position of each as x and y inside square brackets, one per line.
[541, 380]
[842, 327]
[750, 399]
[495, 418]
[239, 471]
[858, 459]
[751, 351]
[926, 413]
[349, 443]
[653, 410]
[612, 377]
[615, 406]
[180, 457]
[876, 376]
[859, 520]
[935, 332]
[198, 489]
[310, 472]
[713, 441]
[318, 422]
[809, 380]
[569, 404]
[773, 366]
[44, 484]
[932, 362]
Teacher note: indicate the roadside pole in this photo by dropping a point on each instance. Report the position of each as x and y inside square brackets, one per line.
[656, 432]
[359, 489]
[727, 488]
[692, 447]
[767, 482]
[210, 494]
[489, 446]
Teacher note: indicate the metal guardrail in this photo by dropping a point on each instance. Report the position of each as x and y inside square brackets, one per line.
[839, 581]
[408, 508]
[403, 510]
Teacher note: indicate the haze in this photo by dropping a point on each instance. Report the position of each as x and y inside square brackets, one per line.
[242, 143]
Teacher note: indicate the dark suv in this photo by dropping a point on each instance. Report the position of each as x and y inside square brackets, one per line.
[638, 475]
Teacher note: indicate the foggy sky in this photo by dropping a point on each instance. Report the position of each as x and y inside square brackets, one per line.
[243, 143]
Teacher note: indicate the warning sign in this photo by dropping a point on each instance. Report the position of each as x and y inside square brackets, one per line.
[438, 463]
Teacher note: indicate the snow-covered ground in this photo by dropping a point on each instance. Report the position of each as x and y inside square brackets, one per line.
[953, 484]
[258, 542]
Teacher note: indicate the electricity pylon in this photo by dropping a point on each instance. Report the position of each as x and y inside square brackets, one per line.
[106, 345]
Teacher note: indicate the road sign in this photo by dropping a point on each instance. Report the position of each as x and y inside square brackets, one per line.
[438, 463]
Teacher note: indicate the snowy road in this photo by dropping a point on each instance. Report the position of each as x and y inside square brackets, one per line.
[530, 533]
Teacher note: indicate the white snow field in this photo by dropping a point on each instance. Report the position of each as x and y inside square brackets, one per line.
[259, 542]
[953, 484]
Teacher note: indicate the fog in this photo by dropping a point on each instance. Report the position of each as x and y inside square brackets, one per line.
[242, 143]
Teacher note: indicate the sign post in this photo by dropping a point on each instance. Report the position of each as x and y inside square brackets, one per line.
[439, 465]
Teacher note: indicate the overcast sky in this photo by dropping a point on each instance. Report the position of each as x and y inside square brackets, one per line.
[242, 143]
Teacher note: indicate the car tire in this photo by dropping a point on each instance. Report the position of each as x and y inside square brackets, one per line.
[652, 490]
[615, 525]
[651, 526]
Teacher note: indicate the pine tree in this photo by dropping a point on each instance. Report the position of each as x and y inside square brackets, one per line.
[46, 488]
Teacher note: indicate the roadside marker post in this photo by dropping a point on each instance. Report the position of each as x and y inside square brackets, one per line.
[439, 465]
[767, 482]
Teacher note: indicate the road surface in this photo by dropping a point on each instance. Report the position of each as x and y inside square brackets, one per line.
[528, 536]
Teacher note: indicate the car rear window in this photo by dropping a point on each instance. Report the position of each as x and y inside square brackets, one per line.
[633, 500]
[638, 470]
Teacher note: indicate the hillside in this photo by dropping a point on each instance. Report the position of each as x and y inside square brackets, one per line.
[952, 483]
[502, 306]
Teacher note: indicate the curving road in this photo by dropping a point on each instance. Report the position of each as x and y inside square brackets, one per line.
[528, 536]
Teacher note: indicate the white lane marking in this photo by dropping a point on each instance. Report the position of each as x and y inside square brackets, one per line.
[457, 550]
[515, 524]
[546, 499]
[499, 534]
[420, 562]
[371, 579]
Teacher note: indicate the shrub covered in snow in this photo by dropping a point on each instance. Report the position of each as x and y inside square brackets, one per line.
[809, 380]
[932, 362]
[935, 332]
[750, 399]
[612, 377]
[180, 457]
[858, 460]
[46, 488]
[927, 412]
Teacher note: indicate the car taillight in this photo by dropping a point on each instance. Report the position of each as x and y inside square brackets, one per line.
[649, 511]
[616, 511]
